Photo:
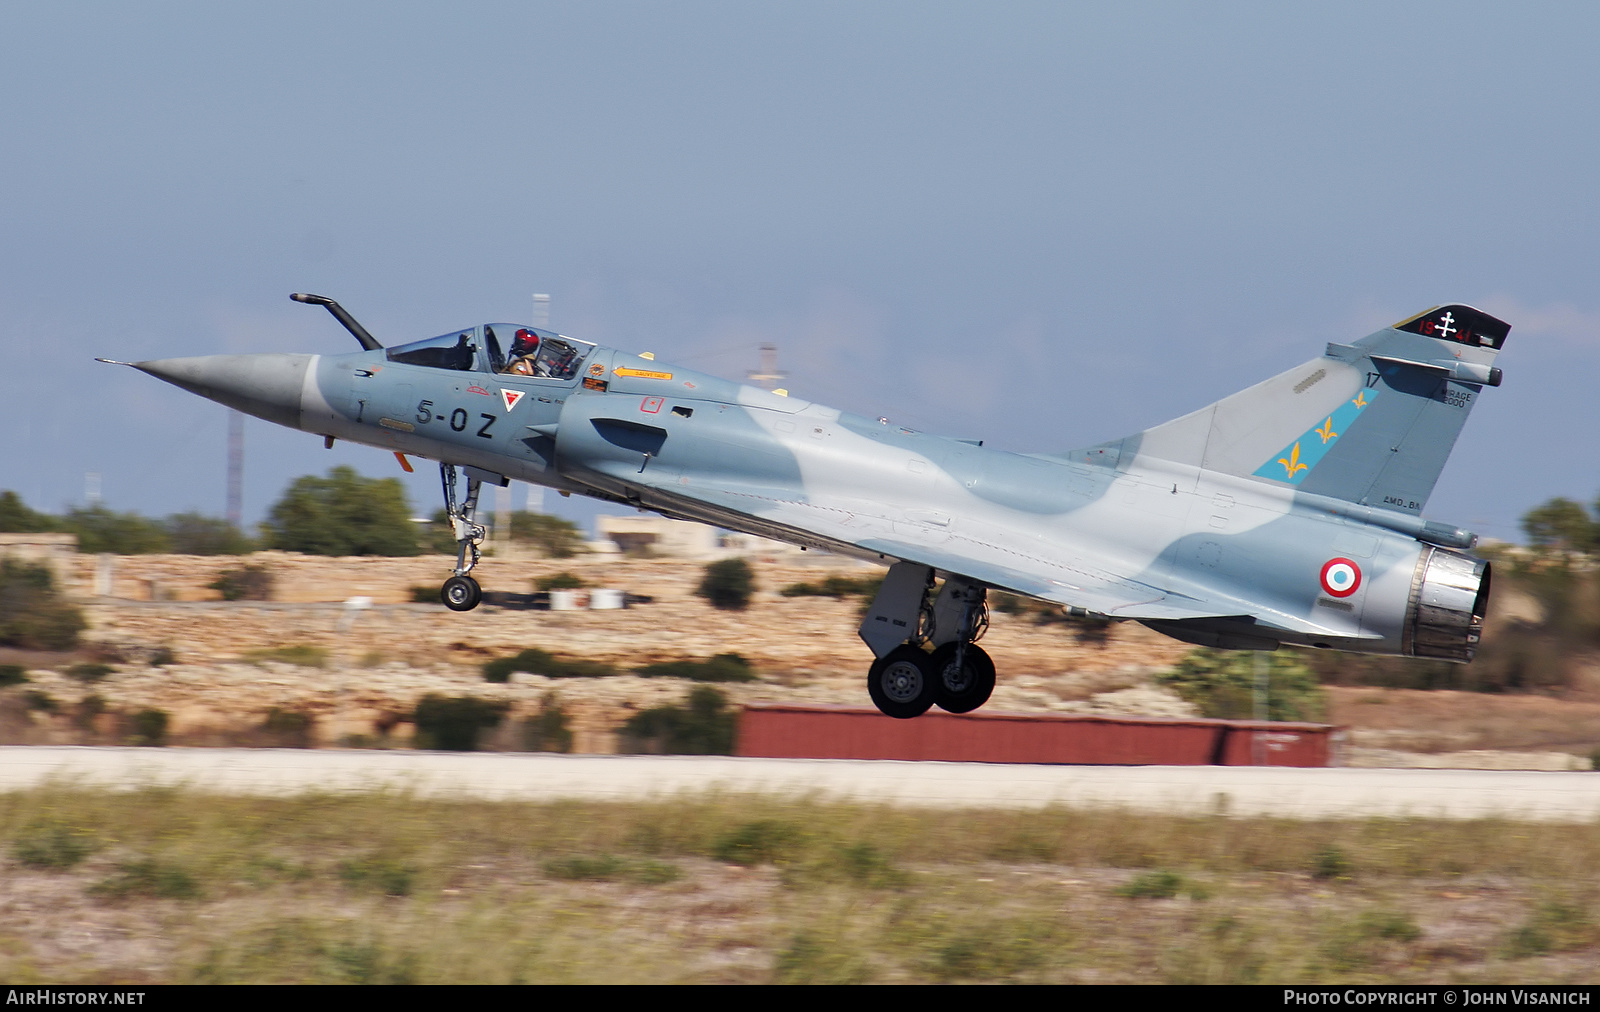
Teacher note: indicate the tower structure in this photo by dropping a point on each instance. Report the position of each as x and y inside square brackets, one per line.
[769, 375]
[236, 469]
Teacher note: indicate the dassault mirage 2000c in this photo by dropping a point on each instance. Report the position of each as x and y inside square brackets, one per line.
[1288, 513]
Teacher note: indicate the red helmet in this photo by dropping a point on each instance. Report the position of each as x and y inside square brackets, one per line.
[524, 342]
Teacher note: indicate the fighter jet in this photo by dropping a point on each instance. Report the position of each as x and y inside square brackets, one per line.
[1287, 513]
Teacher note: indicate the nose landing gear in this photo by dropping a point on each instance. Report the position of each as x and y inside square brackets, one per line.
[461, 592]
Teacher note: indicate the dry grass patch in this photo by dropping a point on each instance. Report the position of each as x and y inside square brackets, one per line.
[167, 885]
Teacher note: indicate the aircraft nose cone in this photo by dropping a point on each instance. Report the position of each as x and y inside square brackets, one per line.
[267, 386]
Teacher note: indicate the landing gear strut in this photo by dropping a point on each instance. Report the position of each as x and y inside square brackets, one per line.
[461, 592]
[963, 674]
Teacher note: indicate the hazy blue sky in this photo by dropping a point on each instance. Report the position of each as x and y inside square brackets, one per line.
[1044, 225]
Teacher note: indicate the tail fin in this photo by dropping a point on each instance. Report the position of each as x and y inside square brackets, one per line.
[1370, 423]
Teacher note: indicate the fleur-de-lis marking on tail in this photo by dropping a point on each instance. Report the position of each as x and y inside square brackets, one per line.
[1326, 430]
[1292, 462]
[1361, 399]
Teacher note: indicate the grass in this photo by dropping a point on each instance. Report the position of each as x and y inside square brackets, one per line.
[299, 654]
[390, 888]
[52, 846]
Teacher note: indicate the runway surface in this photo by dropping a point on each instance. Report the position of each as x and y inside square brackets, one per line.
[1296, 793]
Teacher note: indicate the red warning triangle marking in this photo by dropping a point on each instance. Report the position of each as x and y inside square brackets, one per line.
[511, 397]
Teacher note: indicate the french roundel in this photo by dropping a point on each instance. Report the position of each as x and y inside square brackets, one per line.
[1341, 577]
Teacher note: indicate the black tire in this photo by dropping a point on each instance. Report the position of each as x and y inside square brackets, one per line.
[901, 682]
[962, 690]
[461, 593]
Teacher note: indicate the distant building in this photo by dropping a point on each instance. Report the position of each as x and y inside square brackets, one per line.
[57, 551]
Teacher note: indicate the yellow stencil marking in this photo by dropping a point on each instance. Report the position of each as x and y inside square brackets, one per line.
[642, 373]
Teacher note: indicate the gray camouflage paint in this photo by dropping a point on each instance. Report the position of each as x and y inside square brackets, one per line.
[1188, 526]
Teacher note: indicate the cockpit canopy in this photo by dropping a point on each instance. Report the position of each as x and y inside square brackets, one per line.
[507, 348]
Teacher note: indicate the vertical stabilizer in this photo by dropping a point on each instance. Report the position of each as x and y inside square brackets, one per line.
[1371, 422]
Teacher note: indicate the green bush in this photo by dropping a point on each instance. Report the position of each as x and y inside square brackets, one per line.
[17, 518]
[547, 730]
[343, 514]
[150, 727]
[89, 672]
[288, 728]
[51, 846]
[560, 581]
[1370, 938]
[703, 727]
[101, 530]
[1554, 926]
[1561, 525]
[766, 841]
[584, 868]
[247, 583]
[1330, 863]
[376, 873]
[861, 863]
[32, 614]
[1152, 885]
[538, 662]
[607, 868]
[1222, 684]
[553, 536]
[557, 538]
[810, 959]
[12, 674]
[453, 724]
[148, 878]
[88, 708]
[194, 534]
[721, 668]
[837, 587]
[728, 584]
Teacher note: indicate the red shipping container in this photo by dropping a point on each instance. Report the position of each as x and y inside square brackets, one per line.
[774, 731]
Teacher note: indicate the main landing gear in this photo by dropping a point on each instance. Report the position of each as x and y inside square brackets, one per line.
[461, 592]
[939, 663]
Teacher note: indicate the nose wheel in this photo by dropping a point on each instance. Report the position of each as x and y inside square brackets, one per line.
[461, 592]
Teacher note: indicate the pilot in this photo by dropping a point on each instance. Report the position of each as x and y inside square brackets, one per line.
[524, 350]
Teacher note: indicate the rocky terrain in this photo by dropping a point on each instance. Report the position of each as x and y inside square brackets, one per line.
[341, 643]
